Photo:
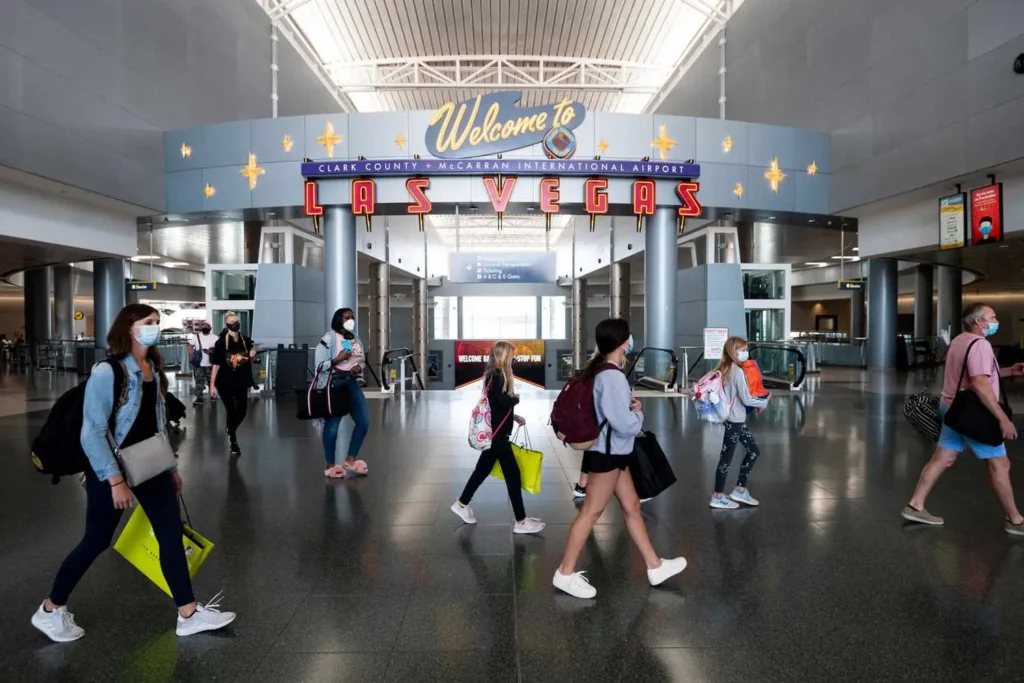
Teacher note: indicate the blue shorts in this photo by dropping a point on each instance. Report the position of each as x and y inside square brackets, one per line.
[955, 441]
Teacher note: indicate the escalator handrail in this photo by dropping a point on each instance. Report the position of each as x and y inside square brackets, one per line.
[386, 360]
[799, 380]
[672, 354]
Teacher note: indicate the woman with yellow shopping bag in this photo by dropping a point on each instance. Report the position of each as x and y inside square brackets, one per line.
[123, 436]
[499, 388]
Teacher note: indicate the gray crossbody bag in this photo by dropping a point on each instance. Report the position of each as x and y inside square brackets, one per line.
[143, 461]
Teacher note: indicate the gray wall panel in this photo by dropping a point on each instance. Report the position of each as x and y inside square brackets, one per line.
[87, 87]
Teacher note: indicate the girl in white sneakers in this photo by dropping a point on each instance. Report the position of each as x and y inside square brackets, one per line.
[622, 419]
[736, 395]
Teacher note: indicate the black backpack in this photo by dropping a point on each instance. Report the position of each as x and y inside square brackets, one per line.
[57, 451]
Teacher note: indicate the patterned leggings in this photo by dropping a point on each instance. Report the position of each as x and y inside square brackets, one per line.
[736, 432]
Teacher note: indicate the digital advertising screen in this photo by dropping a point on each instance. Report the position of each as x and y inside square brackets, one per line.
[987, 214]
[471, 358]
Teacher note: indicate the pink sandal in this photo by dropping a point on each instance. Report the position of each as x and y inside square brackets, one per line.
[358, 468]
[335, 472]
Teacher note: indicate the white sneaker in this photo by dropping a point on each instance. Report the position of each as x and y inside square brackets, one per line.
[206, 618]
[58, 625]
[530, 525]
[723, 503]
[465, 513]
[575, 585]
[666, 571]
[744, 497]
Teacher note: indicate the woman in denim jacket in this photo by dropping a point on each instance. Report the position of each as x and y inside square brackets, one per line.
[139, 415]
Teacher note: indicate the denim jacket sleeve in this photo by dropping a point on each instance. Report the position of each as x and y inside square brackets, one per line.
[99, 405]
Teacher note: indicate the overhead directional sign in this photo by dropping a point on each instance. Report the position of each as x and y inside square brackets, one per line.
[851, 285]
[141, 286]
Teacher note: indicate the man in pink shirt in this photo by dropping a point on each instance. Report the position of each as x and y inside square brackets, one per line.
[981, 374]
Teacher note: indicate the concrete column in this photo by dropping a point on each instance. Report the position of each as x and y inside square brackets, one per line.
[882, 313]
[951, 302]
[340, 274]
[856, 313]
[380, 312]
[579, 323]
[923, 324]
[618, 290]
[38, 307]
[420, 321]
[108, 293]
[661, 261]
[63, 302]
[251, 231]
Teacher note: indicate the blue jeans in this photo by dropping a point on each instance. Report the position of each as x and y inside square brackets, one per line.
[360, 412]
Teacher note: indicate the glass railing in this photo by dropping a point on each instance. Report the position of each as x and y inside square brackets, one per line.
[780, 363]
[653, 368]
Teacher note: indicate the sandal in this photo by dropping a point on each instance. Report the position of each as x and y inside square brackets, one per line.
[358, 468]
[335, 472]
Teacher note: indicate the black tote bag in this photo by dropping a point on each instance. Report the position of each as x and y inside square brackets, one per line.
[649, 467]
[330, 400]
[969, 416]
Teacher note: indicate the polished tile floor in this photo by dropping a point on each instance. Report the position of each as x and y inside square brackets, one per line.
[375, 580]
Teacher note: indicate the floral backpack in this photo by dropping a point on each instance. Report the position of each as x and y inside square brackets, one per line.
[480, 431]
[708, 398]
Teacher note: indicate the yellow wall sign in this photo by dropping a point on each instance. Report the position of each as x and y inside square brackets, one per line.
[79, 315]
[495, 123]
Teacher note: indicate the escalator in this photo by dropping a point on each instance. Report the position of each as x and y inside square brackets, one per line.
[782, 365]
[656, 369]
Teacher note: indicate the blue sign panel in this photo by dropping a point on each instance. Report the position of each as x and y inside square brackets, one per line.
[606, 168]
[493, 123]
[141, 286]
[851, 285]
[526, 268]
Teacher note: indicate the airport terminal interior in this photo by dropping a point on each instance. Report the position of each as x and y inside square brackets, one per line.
[268, 269]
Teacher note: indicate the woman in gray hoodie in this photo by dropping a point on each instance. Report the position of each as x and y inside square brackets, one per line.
[621, 419]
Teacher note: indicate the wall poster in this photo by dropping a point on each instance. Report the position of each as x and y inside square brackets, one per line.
[987, 214]
[952, 221]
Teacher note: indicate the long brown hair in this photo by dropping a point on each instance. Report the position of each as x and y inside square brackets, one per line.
[119, 338]
[500, 362]
[729, 355]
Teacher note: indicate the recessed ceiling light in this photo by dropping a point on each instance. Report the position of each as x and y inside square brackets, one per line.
[1004, 246]
[810, 220]
[855, 249]
[846, 258]
[818, 264]
[145, 258]
[175, 264]
[771, 218]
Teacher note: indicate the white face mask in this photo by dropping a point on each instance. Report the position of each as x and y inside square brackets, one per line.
[349, 325]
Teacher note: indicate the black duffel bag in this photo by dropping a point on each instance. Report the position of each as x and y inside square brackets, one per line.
[968, 416]
[324, 397]
[649, 467]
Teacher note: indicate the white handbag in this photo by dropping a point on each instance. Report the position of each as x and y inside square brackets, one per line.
[143, 461]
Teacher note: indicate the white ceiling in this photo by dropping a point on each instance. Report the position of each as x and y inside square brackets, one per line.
[339, 34]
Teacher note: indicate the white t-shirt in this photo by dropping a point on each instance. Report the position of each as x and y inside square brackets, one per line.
[206, 342]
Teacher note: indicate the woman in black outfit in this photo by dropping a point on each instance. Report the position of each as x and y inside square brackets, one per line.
[502, 399]
[231, 377]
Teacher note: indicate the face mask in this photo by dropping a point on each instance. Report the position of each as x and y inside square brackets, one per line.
[234, 327]
[629, 345]
[148, 335]
[206, 330]
[991, 329]
[985, 229]
[349, 325]
[743, 356]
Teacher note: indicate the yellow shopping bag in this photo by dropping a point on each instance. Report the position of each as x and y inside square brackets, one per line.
[530, 462]
[138, 545]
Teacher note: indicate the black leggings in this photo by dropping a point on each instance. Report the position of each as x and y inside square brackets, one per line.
[160, 501]
[501, 452]
[736, 432]
[236, 401]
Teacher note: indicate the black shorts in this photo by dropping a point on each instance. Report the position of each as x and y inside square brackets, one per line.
[595, 462]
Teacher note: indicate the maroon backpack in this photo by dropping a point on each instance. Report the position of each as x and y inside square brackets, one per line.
[573, 416]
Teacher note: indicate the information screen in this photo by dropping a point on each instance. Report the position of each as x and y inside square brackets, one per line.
[471, 358]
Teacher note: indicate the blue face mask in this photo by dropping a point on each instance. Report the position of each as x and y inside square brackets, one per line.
[148, 335]
[985, 229]
[629, 345]
[991, 329]
[743, 356]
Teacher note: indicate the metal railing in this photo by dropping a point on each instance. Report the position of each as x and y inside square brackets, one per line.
[401, 355]
[780, 363]
[655, 369]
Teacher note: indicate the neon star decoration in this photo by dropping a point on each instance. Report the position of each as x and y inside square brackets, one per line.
[186, 151]
[329, 139]
[727, 144]
[663, 142]
[602, 146]
[400, 141]
[774, 175]
[251, 171]
[812, 169]
[738, 190]
[209, 190]
[287, 143]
